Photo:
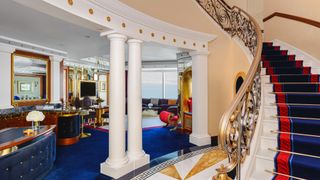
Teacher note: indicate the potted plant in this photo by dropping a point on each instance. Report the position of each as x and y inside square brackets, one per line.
[99, 101]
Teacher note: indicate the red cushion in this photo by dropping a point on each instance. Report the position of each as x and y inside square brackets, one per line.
[165, 116]
[175, 118]
[190, 104]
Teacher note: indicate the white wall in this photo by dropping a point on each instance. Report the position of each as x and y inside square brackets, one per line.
[5, 76]
[102, 94]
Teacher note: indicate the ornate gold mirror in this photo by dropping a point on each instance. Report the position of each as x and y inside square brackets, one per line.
[30, 79]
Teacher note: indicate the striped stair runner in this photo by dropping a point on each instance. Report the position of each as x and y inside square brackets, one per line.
[298, 106]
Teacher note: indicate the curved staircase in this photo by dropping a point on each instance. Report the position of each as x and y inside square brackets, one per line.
[290, 140]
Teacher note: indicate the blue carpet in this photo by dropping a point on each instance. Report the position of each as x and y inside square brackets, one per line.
[82, 160]
[299, 134]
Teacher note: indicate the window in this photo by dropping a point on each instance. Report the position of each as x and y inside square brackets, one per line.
[159, 84]
[171, 85]
[152, 84]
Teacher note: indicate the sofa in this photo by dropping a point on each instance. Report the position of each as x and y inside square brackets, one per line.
[160, 104]
[32, 161]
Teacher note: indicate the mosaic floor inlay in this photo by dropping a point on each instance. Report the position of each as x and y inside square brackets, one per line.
[200, 164]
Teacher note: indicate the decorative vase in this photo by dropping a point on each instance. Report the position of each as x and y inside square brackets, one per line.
[35, 125]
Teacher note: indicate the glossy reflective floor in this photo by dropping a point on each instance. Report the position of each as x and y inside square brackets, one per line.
[200, 164]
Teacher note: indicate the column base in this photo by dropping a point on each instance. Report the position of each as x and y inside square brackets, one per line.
[116, 172]
[143, 160]
[199, 140]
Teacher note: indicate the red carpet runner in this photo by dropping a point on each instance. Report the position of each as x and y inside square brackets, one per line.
[298, 103]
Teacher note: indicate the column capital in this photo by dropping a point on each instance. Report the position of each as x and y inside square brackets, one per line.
[56, 58]
[6, 48]
[199, 53]
[117, 36]
[135, 41]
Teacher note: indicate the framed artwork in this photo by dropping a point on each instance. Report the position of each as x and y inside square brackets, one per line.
[103, 87]
[24, 87]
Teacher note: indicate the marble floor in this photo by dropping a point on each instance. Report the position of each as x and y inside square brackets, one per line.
[198, 165]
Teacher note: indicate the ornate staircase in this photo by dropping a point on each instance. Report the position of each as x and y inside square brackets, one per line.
[290, 140]
[271, 129]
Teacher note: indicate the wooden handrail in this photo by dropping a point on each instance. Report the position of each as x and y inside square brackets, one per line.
[293, 17]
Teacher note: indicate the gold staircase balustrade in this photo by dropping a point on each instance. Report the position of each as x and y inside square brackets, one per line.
[238, 122]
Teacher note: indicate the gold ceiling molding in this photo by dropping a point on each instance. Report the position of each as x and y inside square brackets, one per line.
[70, 2]
[102, 12]
[91, 11]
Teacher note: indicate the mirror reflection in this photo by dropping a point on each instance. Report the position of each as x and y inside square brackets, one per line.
[29, 78]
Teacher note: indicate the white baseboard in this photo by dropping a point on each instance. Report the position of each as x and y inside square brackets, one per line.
[200, 140]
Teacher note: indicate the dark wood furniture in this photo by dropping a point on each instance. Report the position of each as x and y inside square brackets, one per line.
[19, 119]
[187, 122]
[69, 129]
[10, 137]
[99, 112]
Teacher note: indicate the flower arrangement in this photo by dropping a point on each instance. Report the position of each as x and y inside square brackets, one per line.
[99, 100]
[35, 116]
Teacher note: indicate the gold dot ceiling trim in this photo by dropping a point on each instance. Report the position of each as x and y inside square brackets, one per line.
[91, 11]
[70, 2]
[108, 18]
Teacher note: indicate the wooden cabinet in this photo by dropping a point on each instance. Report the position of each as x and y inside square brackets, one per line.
[187, 122]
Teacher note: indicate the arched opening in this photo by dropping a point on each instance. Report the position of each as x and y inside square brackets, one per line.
[239, 81]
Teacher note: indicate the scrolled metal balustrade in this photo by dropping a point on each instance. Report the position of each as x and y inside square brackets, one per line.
[238, 123]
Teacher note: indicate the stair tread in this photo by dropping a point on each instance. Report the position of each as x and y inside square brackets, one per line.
[261, 175]
[266, 153]
[296, 93]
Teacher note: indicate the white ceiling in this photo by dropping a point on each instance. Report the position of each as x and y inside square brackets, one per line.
[25, 24]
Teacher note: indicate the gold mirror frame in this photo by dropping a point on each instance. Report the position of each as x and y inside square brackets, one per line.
[48, 82]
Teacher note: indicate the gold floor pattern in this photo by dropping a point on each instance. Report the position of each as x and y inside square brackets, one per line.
[207, 160]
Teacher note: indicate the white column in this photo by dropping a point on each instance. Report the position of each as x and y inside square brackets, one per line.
[199, 134]
[5, 76]
[117, 163]
[135, 150]
[55, 79]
